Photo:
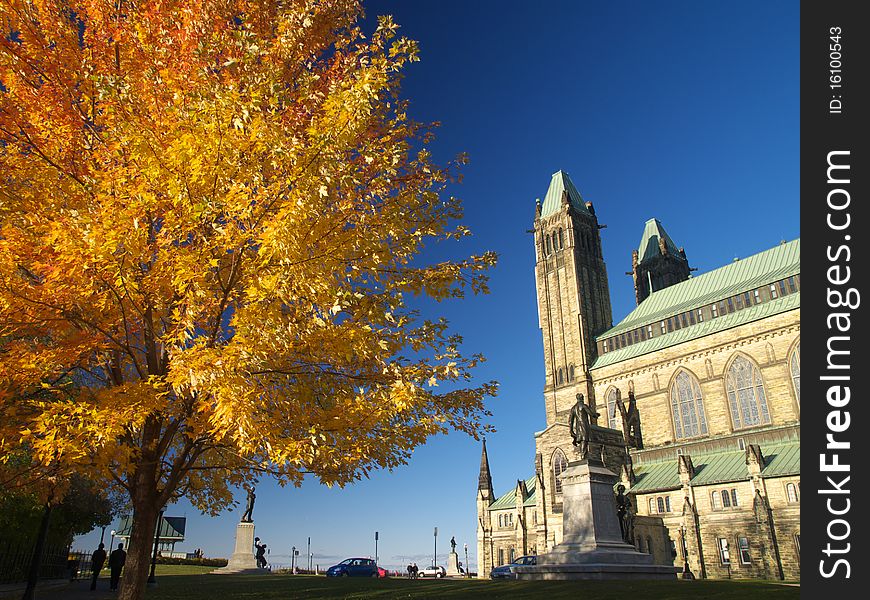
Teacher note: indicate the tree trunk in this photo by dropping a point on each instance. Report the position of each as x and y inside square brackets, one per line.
[39, 548]
[135, 573]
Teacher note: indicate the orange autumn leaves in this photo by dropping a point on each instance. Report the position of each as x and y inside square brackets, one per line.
[210, 215]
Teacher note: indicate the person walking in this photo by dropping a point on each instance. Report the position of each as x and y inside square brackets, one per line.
[410, 571]
[98, 558]
[416, 570]
[116, 563]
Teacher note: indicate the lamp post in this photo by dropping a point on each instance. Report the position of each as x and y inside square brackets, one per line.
[103, 535]
[112, 543]
[293, 560]
[376, 547]
[309, 555]
[152, 580]
[435, 555]
[467, 573]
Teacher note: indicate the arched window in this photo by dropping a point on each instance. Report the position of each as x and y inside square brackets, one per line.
[570, 372]
[549, 247]
[733, 497]
[500, 521]
[611, 408]
[791, 492]
[561, 239]
[746, 394]
[687, 406]
[796, 371]
[660, 504]
[717, 501]
[726, 499]
[560, 463]
[560, 378]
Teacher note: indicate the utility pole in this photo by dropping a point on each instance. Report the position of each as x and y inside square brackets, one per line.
[466, 560]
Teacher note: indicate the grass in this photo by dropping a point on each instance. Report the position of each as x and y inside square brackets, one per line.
[193, 583]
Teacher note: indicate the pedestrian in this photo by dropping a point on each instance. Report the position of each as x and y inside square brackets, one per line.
[261, 556]
[116, 562]
[416, 570]
[410, 571]
[98, 558]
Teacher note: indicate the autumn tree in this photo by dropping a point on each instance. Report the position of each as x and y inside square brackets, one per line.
[211, 217]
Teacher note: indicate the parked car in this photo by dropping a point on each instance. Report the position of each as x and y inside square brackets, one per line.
[437, 572]
[354, 567]
[507, 572]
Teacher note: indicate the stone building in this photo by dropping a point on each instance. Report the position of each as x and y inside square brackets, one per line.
[698, 392]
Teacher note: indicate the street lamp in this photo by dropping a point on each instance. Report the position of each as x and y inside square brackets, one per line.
[293, 560]
[435, 556]
[376, 547]
[465, 545]
[112, 543]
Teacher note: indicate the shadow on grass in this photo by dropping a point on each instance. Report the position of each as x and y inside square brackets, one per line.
[257, 587]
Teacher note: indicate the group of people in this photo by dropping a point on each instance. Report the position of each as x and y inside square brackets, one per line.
[413, 570]
[116, 563]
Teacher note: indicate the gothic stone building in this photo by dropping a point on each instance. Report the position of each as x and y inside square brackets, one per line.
[698, 391]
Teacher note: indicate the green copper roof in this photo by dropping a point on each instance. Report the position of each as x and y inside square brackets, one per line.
[718, 467]
[509, 500]
[749, 273]
[710, 326]
[553, 200]
[649, 241]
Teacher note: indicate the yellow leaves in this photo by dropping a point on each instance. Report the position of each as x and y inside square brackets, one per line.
[228, 247]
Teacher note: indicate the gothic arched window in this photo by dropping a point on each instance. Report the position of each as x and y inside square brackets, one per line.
[570, 372]
[791, 492]
[560, 379]
[611, 408]
[687, 406]
[560, 463]
[549, 247]
[796, 371]
[746, 394]
[561, 239]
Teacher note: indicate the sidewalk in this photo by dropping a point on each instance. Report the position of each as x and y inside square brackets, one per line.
[14, 590]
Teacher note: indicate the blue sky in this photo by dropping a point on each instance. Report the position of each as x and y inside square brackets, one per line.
[683, 111]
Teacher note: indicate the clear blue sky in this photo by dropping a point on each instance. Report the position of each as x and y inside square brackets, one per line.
[684, 111]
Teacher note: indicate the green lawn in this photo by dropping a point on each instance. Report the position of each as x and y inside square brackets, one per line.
[195, 584]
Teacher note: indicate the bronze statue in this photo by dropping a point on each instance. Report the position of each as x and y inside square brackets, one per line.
[248, 515]
[453, 543]
[580, 424]
[625, 514]
[630, 421]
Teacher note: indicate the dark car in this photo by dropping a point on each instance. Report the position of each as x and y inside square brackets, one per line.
[354, 567]
[506, 571]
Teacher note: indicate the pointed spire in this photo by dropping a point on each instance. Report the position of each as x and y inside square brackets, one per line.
[484, 482]
[561, 192]
[655, 241]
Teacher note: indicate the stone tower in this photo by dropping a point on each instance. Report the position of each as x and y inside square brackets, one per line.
[573, 295]
[657, 261]
[485, 497]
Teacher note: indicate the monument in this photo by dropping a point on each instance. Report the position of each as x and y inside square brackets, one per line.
[596, 523]
[453, 560]
[243, 561]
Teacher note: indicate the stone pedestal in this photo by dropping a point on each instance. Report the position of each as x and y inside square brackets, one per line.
[453, 565]
[592, 546]
[242, 560]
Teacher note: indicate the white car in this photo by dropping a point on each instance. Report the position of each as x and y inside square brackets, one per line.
[437, 572]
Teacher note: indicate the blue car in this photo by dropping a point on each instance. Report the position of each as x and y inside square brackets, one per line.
[506, 571]
[354, 567]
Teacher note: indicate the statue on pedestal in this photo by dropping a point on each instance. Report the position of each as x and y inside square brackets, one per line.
[580, 424]
[453, 544]
[625, 514]
[248, 515]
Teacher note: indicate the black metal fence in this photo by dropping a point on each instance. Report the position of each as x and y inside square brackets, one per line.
[15, 559]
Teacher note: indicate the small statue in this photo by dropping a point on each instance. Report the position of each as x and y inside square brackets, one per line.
[630, 421]
[580, 424]
[624, 512]
[248, 515]
[453, 544]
